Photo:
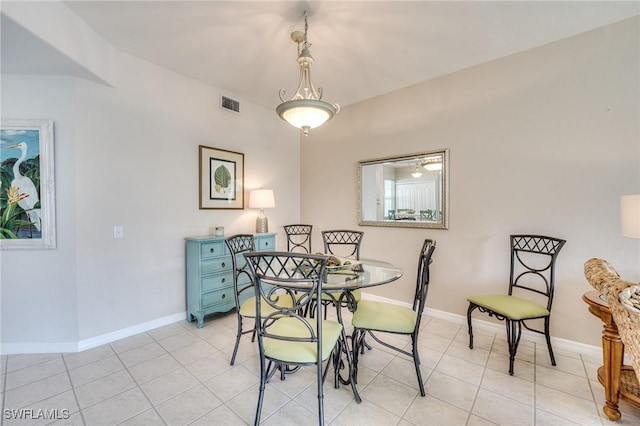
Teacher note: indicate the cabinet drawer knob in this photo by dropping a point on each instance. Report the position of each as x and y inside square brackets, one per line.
[224, 295]
[224, 279]
[212, 250]
[224, 264]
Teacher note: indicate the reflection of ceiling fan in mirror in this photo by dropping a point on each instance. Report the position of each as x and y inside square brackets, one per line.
[417, 173]
[432, 163]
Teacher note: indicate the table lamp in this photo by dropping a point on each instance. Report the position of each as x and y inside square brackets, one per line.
[630, 215]
[261, 199]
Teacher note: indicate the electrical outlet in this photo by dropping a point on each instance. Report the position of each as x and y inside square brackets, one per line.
[118, 232]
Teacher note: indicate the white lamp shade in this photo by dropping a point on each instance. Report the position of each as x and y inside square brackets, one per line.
[261, 199]
[630, 215]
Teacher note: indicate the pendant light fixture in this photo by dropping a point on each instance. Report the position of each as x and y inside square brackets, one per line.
[432, 164]
[434, 167]
[306, 109]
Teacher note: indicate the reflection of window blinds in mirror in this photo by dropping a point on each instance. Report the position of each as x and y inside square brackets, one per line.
[370, 193]
[389, 196]
[416, 195]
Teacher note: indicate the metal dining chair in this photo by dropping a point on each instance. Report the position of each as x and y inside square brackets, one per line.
[243, 286]
[379, 317]
[286, 338]
[342, 243]
[245, 308]
[298, 237]
[533, 259]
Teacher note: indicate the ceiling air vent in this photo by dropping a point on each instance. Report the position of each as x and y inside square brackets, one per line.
[229, 104]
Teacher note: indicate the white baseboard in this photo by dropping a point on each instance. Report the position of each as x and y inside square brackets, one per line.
[82, 345]
[558, 343]
[129, 331]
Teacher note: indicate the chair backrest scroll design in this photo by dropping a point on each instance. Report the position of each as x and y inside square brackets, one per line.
[298, 237]
[533, 257]
[342, 237]
[294, 276]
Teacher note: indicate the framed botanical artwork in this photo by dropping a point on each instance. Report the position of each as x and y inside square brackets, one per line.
[27, 196]
[221, 179]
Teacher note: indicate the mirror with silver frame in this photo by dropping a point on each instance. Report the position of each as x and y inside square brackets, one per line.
[410, 191]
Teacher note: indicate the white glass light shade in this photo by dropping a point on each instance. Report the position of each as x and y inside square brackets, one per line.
[433, 166]
[261, 199]
[630, 215]
[306, 114]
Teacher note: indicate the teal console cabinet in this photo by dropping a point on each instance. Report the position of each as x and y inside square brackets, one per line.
[210, 275]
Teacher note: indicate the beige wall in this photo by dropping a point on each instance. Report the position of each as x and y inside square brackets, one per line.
[543, 142]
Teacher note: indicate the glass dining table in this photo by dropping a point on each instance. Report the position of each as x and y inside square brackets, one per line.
[361, 274]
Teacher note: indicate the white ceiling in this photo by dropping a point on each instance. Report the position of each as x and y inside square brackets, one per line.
[362, 48]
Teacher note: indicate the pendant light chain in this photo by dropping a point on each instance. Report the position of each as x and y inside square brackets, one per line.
[305, 43]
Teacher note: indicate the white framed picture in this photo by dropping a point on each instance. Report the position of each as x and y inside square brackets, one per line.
[27, 198]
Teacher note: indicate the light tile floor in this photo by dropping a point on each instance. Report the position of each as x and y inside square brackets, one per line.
[180, 375]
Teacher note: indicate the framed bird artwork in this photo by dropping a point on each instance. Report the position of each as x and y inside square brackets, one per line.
[27, 195]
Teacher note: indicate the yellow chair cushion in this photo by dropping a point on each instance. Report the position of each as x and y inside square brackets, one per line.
[300, 352]
[248, 308]
[384, 317]
[512, 307]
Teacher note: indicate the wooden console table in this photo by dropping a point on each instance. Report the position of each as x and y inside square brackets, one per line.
[619, 380]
